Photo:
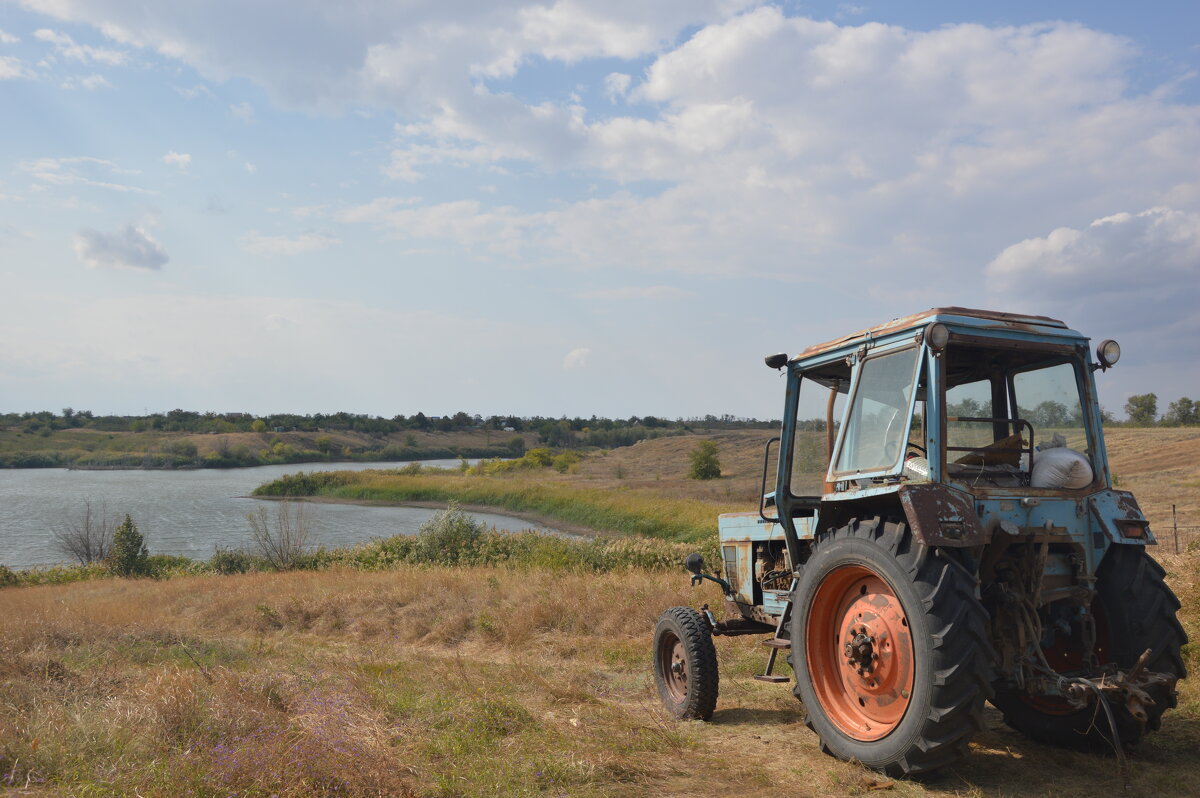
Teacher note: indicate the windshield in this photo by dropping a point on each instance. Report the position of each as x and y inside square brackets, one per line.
[1004, 408]
[878, 423]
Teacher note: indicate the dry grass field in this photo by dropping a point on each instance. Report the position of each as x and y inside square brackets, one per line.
[472, 681]
[444, 682]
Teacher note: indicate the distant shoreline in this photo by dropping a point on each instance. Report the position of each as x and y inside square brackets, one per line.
[555, 524]
[390, 456]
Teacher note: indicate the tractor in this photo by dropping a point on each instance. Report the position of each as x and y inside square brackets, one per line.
[948, 534]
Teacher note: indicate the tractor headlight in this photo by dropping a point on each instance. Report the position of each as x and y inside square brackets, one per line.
[937, 335]
[1108, 352]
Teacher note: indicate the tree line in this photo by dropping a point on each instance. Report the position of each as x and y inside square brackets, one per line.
[1142, 410]
[594, 430]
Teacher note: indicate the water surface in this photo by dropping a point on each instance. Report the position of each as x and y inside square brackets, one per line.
[187, 512]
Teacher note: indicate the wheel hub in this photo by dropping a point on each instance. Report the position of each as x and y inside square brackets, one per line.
[860, 650]
[673, 662]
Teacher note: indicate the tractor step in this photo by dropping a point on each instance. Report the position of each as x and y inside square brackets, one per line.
[766, 677]
[777, 642]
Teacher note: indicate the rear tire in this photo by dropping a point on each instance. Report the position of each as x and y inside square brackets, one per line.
[871, 594]
[1139, 613]
[685, 664]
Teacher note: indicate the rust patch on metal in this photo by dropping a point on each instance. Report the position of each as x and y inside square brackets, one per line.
[1128, 505]
[1008, 320]
[941, 516]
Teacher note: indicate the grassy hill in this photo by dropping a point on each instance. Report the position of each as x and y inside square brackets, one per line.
[445, 682]
[91, 448]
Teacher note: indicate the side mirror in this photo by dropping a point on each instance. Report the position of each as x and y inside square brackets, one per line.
[695, 563]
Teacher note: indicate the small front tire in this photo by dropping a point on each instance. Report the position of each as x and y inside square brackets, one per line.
[685, 664]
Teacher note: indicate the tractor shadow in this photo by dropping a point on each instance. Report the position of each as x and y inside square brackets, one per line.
[1003, 762]
[743, 716]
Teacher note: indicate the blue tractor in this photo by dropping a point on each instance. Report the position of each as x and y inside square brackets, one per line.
[948, 534]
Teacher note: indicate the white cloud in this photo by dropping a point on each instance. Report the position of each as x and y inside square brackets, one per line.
[243, 111]
[576, 358]
[80, 170]
[659, 292]
[12, 67]
[8, 38]
[89, 82]
[181, 159]
[1138, 270]
[199, 90]
[779, 146]
[1130, 276]
[268, 246]
[787, 144]
[130, 247]
[249, 167]
[65, 46]
[616, 86]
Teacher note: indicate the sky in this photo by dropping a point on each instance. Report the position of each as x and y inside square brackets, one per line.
[575, 207]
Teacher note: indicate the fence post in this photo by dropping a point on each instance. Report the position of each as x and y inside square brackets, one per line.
[1175, 526]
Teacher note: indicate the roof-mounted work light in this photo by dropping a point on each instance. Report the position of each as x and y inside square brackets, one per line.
[937, 335]
[1108, 353]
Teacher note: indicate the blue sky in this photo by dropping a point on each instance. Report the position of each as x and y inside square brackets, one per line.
[575, 207]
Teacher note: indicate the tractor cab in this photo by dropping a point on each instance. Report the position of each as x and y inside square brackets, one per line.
[947, 509]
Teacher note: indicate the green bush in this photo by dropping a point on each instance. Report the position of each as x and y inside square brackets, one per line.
[128, 556]
[566, 461]
[7, 577]
[448, 538]
[705, 464]
[236, 561]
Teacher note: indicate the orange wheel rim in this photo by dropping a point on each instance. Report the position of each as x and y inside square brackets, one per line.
[859, 652]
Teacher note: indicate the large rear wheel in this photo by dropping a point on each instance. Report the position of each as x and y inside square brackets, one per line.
[889, 649]
[1134, 611]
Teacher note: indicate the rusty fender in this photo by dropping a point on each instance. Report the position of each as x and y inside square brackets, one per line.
[940, 515]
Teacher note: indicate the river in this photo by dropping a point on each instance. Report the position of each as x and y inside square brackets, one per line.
[187, 512]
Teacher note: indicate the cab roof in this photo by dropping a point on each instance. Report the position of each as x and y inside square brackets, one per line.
[970, 317]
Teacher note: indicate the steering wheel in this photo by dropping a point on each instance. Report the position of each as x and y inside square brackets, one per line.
[919, 448]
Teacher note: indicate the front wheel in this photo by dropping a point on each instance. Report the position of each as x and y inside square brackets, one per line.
[889, 649]
[685, 664]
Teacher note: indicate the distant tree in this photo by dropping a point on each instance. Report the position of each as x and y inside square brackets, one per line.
[129, 556]
[258, 425]
[705, 464]
[87, 537]
[1182, 412]
[967, 408]
[282, 541]
[1048, 414]
[1142, 409]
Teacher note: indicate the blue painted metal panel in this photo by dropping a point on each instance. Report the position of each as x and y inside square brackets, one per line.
[738, 527]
